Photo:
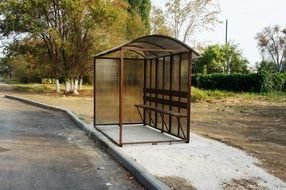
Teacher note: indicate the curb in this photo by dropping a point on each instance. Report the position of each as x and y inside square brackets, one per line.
[140, 174]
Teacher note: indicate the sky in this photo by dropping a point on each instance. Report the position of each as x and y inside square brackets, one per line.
[245, 19]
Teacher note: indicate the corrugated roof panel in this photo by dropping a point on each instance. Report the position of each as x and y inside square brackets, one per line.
[154, 46]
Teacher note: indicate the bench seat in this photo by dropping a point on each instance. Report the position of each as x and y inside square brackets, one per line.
[152, 108]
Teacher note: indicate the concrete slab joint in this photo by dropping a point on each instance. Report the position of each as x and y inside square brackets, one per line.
[140, 174]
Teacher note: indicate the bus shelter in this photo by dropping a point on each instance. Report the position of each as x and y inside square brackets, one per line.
[142, 91]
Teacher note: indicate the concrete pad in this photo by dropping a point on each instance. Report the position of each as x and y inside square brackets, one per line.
[135, 133]
[205, 164]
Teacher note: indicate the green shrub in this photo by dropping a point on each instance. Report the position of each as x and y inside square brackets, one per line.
[273, 82]
[263, 82]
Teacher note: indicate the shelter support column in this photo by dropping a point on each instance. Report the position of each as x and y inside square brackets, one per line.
[94, 91]
[145, 85]
[189, 96]
[170, 88]
[121, 79]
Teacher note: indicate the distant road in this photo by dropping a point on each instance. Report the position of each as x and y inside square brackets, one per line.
[41, 149]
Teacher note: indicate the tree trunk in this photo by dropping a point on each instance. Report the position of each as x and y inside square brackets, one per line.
[80, 83]
[72, 84]
[58, 88]
[67, 87]
[75, 91]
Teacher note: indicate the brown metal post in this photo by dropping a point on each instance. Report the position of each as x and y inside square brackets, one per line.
[189, 96]
[180, 71]
[94, 91]
[163, 96]
[121, 79]
[156, 87]
[150, 86]
[144, 93]
[171, 81]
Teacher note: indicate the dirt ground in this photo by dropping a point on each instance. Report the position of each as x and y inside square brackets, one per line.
[257, 126]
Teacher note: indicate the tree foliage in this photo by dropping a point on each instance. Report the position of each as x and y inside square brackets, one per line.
[252, 82]
[271, 42]
[221, 59]
[64, 27]
[63, 34]
[142, 8]
[266, 66]
[5, 68]
[185, 19]
[159, 23]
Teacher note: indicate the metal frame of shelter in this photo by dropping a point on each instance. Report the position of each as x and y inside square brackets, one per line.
[166, 63]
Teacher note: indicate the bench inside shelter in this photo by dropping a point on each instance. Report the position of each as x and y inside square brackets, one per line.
[152, 98]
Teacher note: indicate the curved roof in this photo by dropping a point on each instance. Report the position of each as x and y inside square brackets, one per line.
[153, 46]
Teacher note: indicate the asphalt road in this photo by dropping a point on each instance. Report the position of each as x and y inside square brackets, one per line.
[42, 149]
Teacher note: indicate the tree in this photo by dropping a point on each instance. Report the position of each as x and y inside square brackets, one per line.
[134, 28]
[266, 66]
[159, 23]
[141, 8]
[185, 19]
[219, 58]
[5, 67]
[54, 23]
[271, 42]
[28, 60]
[70, 31]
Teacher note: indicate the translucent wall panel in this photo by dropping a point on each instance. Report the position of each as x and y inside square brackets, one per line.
[176, 74]
[184, 87]
[133, 90]
[183, 123]
[184, 72]
[147, 74]
[148, 85]
[153, 86]
[107, 91]
[167, 73]
[160, 86]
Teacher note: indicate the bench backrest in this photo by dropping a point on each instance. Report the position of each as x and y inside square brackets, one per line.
[167, 97]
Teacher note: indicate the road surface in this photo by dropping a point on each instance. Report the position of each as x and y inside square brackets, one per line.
[42, 149]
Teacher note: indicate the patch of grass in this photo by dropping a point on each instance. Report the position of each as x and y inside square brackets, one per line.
[10, 81]
[269, 96]
[276, 96]
[219, 94]
[34, 88]
[87, 90]
[208, 95]
[198, 95]
[30, 87]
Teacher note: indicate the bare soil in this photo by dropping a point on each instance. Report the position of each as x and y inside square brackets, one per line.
[257, 126]
[246, 184]
[177, 183]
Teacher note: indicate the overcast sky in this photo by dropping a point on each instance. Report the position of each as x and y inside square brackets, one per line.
[246, 18]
